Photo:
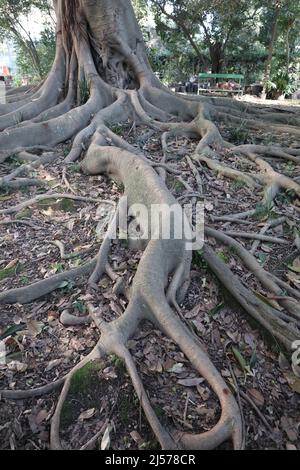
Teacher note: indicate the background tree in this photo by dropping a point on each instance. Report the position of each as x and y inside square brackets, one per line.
[31, 55]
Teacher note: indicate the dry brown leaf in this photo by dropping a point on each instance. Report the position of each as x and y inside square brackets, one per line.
[12, 264]
[105, 444]
[256, 396]
[289, 428]
[88, 414]
[193, 382]
[53, 364]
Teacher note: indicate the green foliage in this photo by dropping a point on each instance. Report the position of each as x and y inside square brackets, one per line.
[118, 129]
[290, 167]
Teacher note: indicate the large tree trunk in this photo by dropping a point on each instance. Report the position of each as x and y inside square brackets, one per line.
[99, 44]
[268, 65]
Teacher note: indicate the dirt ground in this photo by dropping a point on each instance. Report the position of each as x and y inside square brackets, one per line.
[41, 350]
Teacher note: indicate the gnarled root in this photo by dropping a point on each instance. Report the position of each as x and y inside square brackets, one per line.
[113, 64]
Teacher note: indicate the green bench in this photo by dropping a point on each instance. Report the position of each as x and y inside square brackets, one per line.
[214, 77]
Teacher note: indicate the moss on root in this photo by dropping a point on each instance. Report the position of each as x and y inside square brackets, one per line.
[65, 205]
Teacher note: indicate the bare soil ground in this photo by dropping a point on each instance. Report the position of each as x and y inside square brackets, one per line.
[41, 350]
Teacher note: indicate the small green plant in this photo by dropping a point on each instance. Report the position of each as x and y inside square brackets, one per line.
[262, 258]
[24, 189]
[214, 311]
[268, 139]
[281, 84]
[66, 150]
[68, 285]
[14, 161]
[24, 280]
[286, 197]
[118, 362]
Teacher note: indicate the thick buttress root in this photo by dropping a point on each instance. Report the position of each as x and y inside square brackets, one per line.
[100, 50]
